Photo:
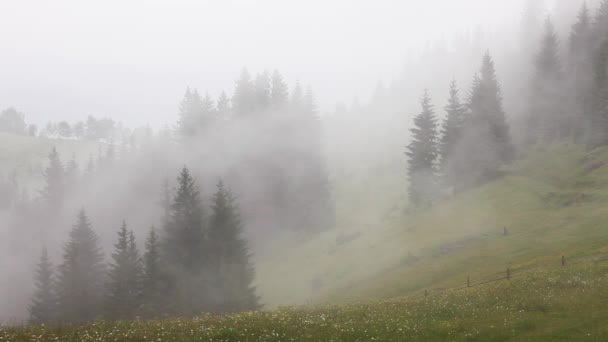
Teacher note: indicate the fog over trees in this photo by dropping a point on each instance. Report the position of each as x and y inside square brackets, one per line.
[169, 220]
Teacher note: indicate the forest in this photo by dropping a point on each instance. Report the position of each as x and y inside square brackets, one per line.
[113, 221]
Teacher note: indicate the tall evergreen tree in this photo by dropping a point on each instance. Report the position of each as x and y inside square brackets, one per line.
[223, 106]
[43, 309]
[54, 189]
[191, 110]
[486, 139]
[154, 280]
[123, 291]
[422, 153]
[451, 135]
[80, 280]
[580, 72]
[279, 95]
[546, 117]
[244, 98]
[185, 247]
[262, 90]
[230, 256]
[598, 119]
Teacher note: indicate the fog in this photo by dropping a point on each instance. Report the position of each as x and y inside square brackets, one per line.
[131, 61]
[366, 64]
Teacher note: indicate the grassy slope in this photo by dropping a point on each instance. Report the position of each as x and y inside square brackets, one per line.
[553, 203]
[564, 304]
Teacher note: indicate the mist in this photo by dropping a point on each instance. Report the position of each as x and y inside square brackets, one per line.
[323, 163]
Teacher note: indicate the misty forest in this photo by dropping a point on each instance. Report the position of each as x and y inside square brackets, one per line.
[460, 195]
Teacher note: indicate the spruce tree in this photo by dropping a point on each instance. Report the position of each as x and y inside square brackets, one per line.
[223, 107]
[451, 135]
[43, 309]
[422, 153]
[80, 280]
[191, 109]
[545, 114]
[244, 98]
[262, 90]
[123, 290]
[598, 136]
[231, 267]
[580, 73]
[486, 140]
[185, 247]
[54, 189]
[154, 280]
[279, 95]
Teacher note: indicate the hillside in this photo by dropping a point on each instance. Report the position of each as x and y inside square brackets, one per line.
[563, 304]
[552, 203]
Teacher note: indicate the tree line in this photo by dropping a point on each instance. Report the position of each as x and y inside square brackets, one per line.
[566, 102]
[199, 262]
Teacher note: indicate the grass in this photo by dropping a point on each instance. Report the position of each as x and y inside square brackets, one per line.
[553, 203]
[550, 305]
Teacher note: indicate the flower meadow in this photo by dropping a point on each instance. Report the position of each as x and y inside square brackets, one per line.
[567, 304]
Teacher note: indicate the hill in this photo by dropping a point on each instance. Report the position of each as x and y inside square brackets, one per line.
[563, 304]
[552, 203]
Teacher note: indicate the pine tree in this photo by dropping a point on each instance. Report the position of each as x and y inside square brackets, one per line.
[262, 90]
[123, 291]
[165, 201]
[422, 153]
[599, 116]
[191, 109]
[230, 257]
[223, 107]
[486, 140]
[43, 309]
[185, 247]
[600, 29]
[545, 115]
[580, 72]
[451, 135]
[154, 280]
[279, 95]
[80, 280]
[54, 190]
[244, 98]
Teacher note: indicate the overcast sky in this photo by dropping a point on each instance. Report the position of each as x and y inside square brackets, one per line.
[132, 60]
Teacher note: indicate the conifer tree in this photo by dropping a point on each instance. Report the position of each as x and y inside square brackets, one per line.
[231, 266]
[451, 135]
[486, 140]
[43, 309]
[279, 95]
[191, 109]
[223, 106]
[154, 281]
[54, 190]
[545, 114]
[580, 72]
[598, 136]
[185, 247]
[244, 98]
[123, 291]
[262, 90]
[422, 153]
[80, 280]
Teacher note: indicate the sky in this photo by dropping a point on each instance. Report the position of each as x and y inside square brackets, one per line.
[132, 60]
